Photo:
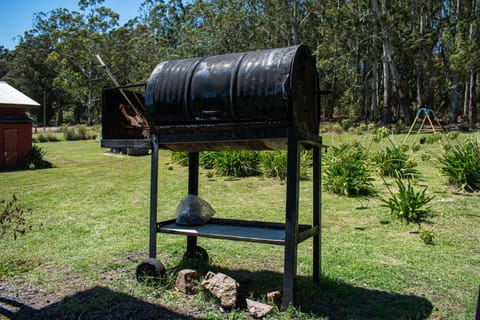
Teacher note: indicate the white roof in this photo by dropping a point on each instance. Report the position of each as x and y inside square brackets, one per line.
[14, 98]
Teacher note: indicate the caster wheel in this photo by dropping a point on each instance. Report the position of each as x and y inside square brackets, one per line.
[150, 269]
[199, 255]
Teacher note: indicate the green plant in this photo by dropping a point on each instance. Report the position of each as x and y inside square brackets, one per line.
[180, 157]
[407, 205]
[13, 218]
[427, 236]
[237, 163]
[274, 164]
[347, 171]
[207, 159]
[391, 161]
[35, 159]
[460, 163]
[337, 128]
[79, 132]
[346, 123]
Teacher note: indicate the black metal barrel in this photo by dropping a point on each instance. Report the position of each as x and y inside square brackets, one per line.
[269, 85]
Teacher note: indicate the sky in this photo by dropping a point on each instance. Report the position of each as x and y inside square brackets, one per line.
[16, 16]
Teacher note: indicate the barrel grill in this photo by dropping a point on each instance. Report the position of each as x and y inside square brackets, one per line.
[223, 94]
[255, 100]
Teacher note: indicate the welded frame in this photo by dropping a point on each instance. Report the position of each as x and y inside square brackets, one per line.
[294, 233]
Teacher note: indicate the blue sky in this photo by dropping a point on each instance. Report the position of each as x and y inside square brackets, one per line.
[16, 16]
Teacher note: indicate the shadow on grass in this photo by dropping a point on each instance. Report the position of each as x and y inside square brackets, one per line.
[94, 303]
[334, 299]
[331, 299]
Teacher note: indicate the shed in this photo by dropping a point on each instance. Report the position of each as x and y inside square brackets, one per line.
[15, 126]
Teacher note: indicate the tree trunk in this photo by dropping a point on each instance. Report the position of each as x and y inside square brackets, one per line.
[466, 109]
[387, 109]
[472, 103]
[420, 61]
[374, 89]
[453, 114]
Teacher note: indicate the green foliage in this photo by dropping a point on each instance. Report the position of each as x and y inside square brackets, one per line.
[13, 218]
[427, 236]
[391, 161]
[460, 163]
[79, 132]
[35, 159]
[237, 163]
[347, 171]
[408, 205]
[274, 164]
[42, 137]
[180, 157]
[346, 124]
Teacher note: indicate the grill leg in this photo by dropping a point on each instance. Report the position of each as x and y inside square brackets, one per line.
[152, 252]
[317, 214]
[291, 221]
[193, 165]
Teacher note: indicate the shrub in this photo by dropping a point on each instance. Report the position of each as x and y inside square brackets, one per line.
[408, 205]
[207, 159]
[346, 123]
[274, 164]
[337, 128]
[427, 236]
[460, 163]
[13, 218]
[346, 170]
[35, 159]
[392, 161]
[180, 157]
[237, 163]
[79, 132]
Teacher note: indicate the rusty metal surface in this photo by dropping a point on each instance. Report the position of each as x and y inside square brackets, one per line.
[121, 120]
[269, 85]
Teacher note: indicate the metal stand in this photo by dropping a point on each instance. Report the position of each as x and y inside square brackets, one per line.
[289, 234]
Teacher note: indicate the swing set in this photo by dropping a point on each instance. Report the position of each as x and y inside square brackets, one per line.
[427, 115]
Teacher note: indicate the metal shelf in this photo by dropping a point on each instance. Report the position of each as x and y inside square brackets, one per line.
[241, 230]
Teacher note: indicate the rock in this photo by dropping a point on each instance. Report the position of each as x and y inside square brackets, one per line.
[275, 297]
[258, 309]
[187, 281]
[223, 288]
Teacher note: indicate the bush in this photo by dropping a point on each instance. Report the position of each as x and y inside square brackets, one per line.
[460, 163]
[274, 164]
[35, 159]
[180, 157]
[346, 123]
[13, 218]
[79, 132]
[237, 163]
[392, 161]
[427, 236]
[408, 205]
[346, 170]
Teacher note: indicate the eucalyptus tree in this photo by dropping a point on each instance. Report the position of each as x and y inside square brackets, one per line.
[28, 72]
[76, 37]
[6, 56]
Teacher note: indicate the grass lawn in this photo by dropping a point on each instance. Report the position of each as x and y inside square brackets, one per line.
[91, 230]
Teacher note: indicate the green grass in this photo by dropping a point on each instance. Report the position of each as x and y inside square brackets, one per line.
[91, 230]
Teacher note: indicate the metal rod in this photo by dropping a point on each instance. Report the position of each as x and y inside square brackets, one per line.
[291, 220]
[193, 171]
[317, 214]
[477, 314]
[153, 199]
[115, 82]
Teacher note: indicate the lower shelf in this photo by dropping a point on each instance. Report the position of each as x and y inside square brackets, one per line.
[240, 230]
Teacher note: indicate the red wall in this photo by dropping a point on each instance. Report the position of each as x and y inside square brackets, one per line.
[15, 144]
